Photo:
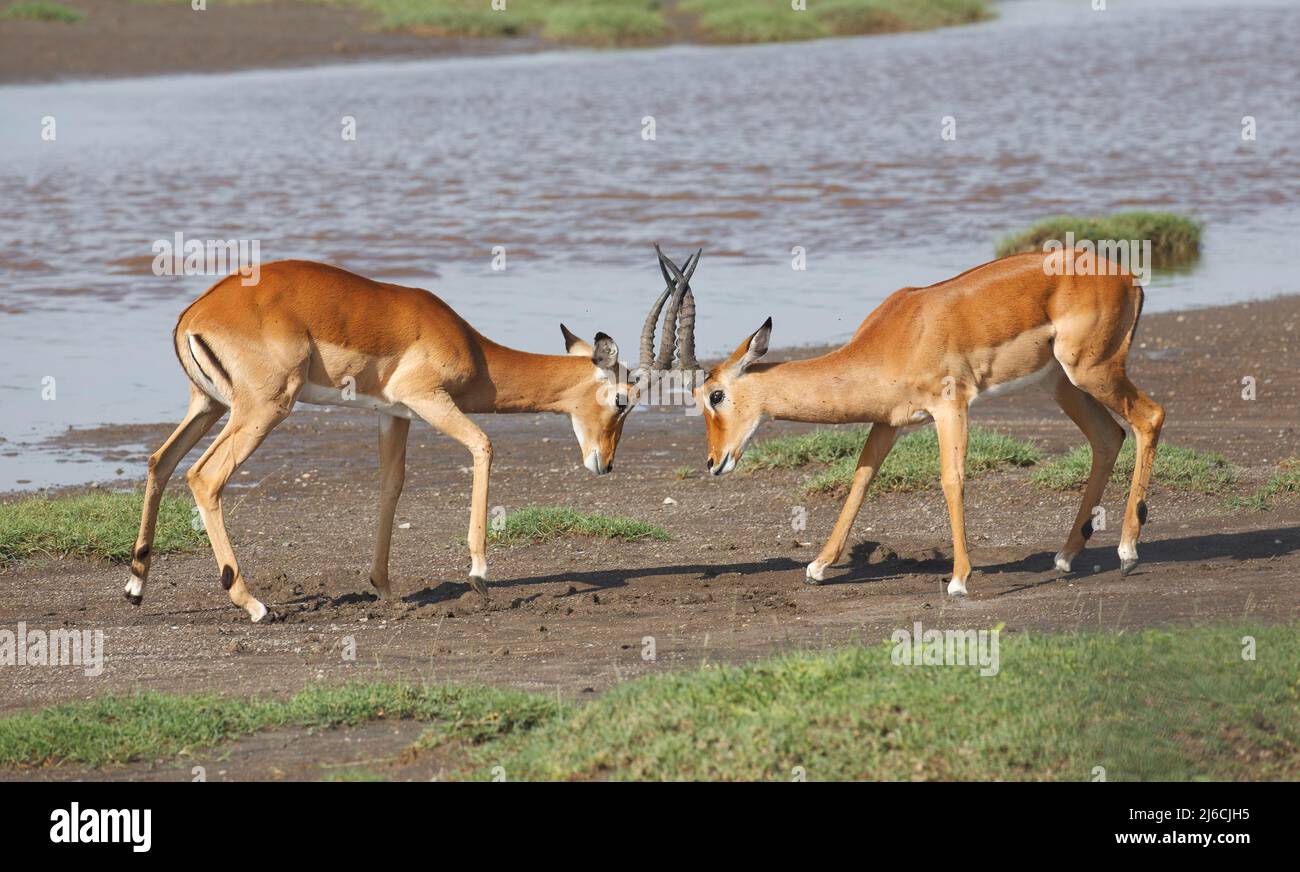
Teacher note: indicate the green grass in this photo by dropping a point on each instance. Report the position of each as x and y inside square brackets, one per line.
[632, 22]
[590, 22]
[1174, 238]
[95, 524]
[544, 523]
[41, 10]
[775, 21]
[1284, 482]
[913, 464]
[1205, 472]
[148, 725]
[1170, 704]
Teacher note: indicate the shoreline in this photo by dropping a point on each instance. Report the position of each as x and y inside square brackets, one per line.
[109, 39]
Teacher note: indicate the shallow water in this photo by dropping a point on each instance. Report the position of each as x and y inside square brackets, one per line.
[834, 146]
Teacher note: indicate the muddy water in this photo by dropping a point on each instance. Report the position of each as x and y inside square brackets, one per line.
[834, 146]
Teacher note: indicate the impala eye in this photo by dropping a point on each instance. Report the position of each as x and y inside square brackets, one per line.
[715, 398]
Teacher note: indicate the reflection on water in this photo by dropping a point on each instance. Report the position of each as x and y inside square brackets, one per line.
[833, 146]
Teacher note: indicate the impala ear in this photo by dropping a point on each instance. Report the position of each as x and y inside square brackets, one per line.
[574, 345]
[752, 349]
[605, 354]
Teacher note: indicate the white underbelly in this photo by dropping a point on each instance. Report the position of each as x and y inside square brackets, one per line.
[317, 395]
[1010, 387]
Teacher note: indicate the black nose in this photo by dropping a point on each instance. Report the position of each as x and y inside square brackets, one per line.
[708, 464]
[609, 467]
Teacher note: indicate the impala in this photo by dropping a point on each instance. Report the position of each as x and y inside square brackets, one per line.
[312, 333]
[926, 354]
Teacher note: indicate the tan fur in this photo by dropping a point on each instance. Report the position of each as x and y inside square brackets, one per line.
[927, 353]
[320, 329]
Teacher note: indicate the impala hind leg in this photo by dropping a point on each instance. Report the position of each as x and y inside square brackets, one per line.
[950, 423]
[248, 426]
[1146, 417]
[442, 414]
[1106, 438]
[202, 414]
[392, 474]
[879, 442]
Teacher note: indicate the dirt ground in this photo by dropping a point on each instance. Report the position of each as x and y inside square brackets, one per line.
[129, 38]
[570, 616]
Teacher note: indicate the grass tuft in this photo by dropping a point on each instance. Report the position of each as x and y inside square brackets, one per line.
[544, 523]
[95, 524]
[913, 464]
[41, 10]
[767, 21]
[1205, 472]
[1174, 238]
[1284, 482]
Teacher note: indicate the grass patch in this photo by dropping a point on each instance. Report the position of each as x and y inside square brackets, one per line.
[1169, 705]
[590, 22]
[682, 473]
[41, 10]
[1175, 704]
[117, 730]
[1284, 482]
[544, 523]
[1174, 238]
[95, 524]
[1205, 472]
[775, 21]
[913, 464]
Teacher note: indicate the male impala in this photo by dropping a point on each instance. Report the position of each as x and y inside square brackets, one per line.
[319, 334]
[925, 354]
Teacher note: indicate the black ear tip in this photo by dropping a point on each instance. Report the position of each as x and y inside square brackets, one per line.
[603, 337]
[767, 325]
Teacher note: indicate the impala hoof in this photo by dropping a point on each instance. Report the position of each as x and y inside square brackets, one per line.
[383, 591]
[1126, 565]
[956, 587]
[813, 574]
[1062, 562]
[479, 585]
[134, 591]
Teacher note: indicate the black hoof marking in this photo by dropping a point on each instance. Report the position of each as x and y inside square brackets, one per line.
[1087, 530]
[227, 577]
[134, 599]
[142, 553]
[1142, 512]
[372, 583]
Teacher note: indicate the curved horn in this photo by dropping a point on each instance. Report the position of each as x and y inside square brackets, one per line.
[648, 331]
[686, 339]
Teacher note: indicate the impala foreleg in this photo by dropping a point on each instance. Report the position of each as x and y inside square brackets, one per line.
[243, 433]
[392, 474]
[1106, 438]
[950, 422]
[442, 414]
[879, 442]
[202, 414]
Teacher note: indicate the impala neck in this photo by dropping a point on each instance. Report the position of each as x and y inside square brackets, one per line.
[525, 382]
[823, 390]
